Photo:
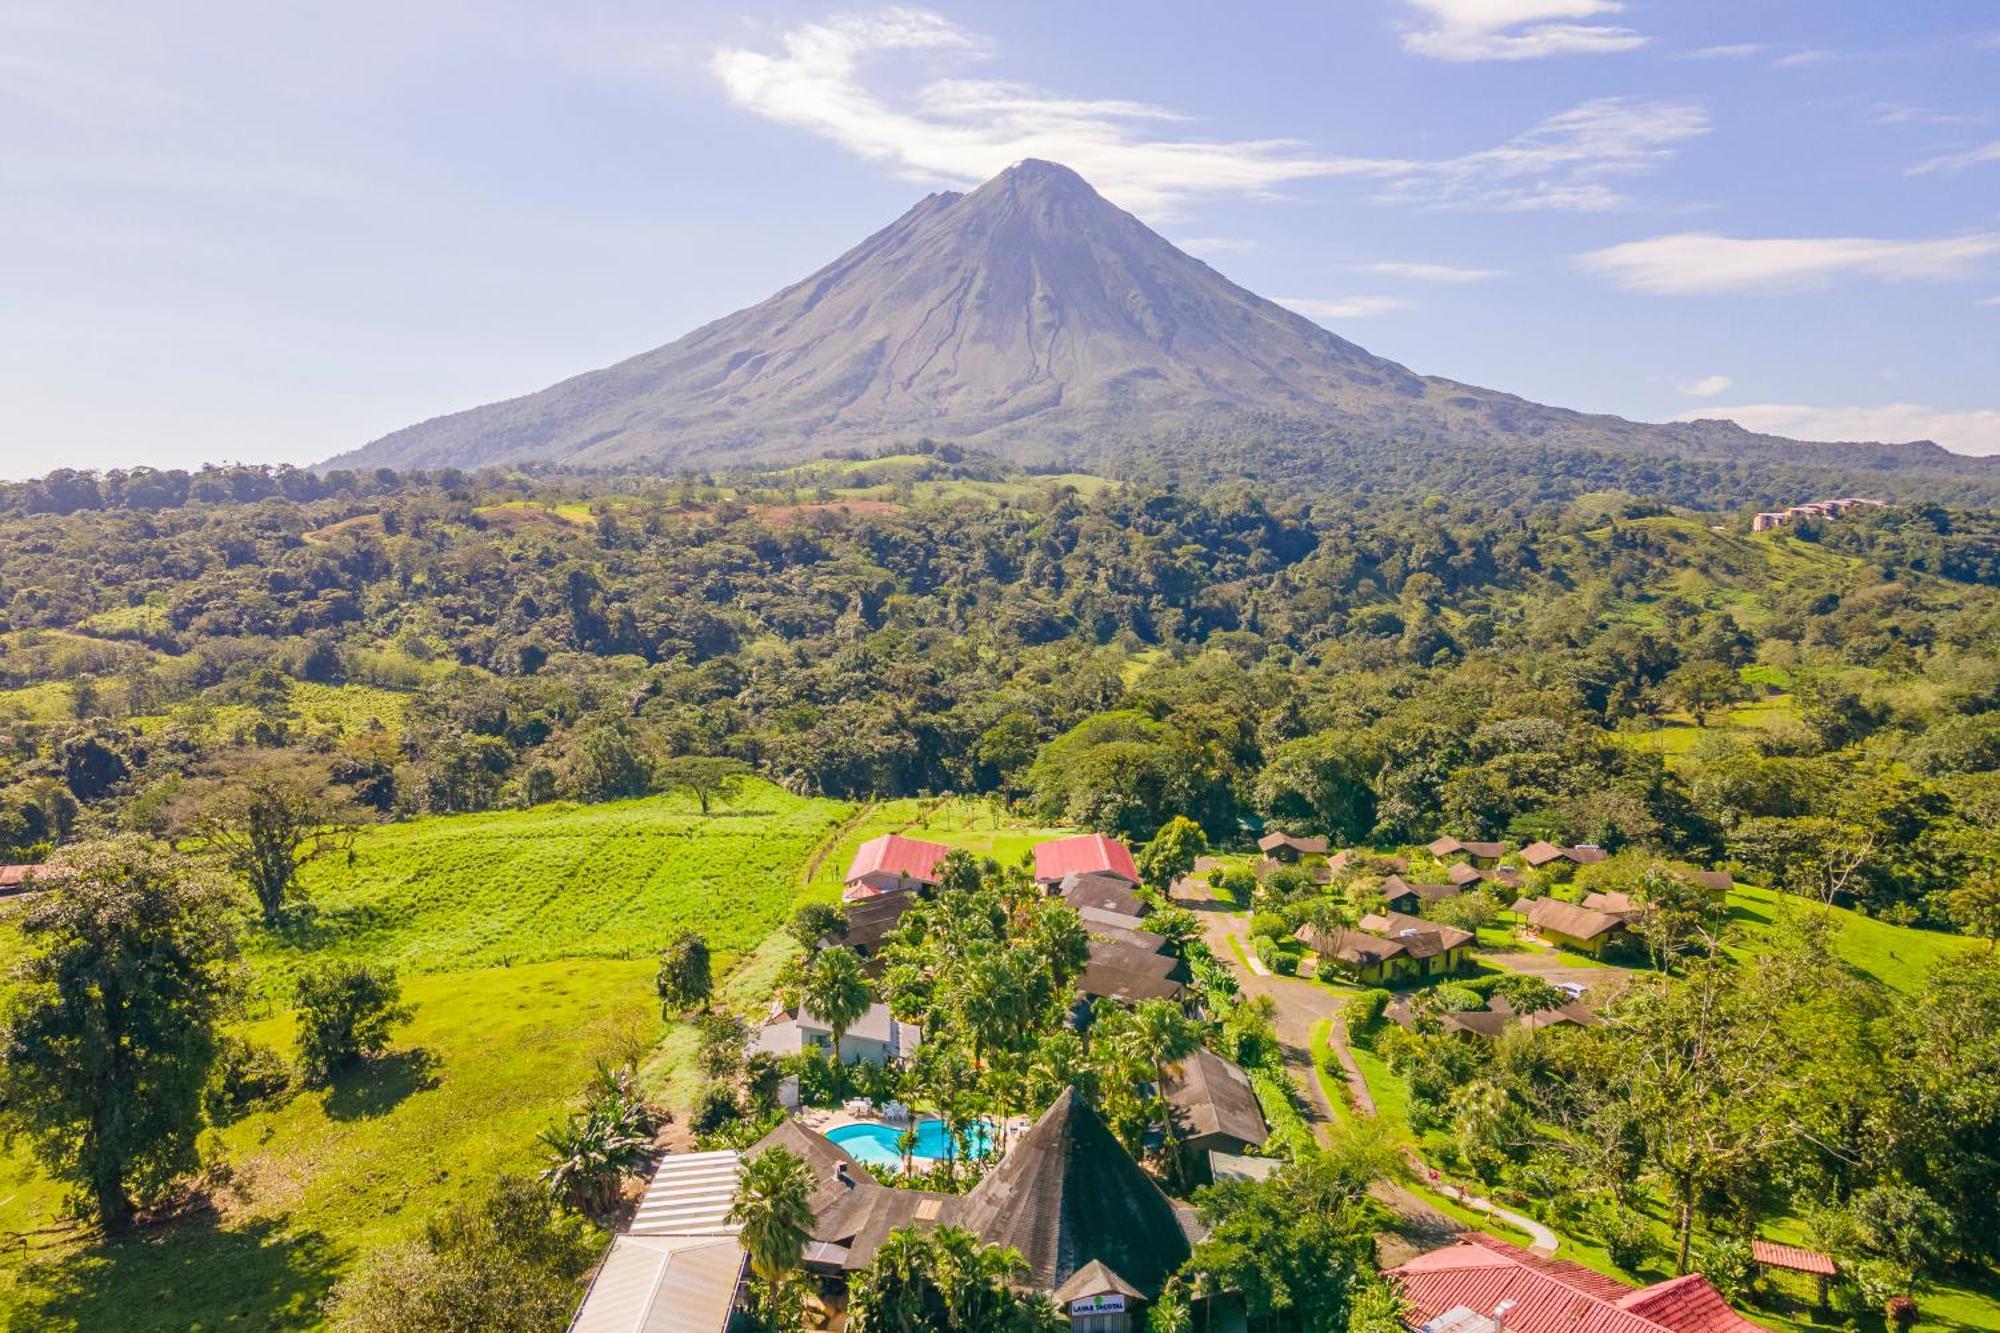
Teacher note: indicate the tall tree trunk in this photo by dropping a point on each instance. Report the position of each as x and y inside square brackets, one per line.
[1686, 1226]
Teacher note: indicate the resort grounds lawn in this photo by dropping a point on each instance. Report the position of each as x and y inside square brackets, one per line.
[525, 941]
[1896, 956]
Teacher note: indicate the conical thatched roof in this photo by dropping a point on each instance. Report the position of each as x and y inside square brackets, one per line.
[1069, 1194]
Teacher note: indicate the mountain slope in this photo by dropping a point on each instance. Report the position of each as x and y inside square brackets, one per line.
[1031, 317]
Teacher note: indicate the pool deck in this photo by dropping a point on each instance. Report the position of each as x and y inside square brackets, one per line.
[824, 1120]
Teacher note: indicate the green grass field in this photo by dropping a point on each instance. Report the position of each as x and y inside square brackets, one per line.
[525, 942]
[1896, 956]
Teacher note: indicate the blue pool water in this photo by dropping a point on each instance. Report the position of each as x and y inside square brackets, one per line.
[876, 1144]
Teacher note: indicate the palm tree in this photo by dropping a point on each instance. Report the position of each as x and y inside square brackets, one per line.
[773, 1209]
[836, 991]
[1170, 1037]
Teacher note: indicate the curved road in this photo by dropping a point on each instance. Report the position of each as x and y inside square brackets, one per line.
[1301, 1006]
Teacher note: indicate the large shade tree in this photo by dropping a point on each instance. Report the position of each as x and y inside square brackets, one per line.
[112, 1030]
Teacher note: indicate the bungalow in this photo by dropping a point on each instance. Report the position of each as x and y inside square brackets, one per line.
[1106, 893]
[1463, 874]
[1484, 1284]
[1093, 917]
[1357, 954]
[1411, 899]
[1285, 847]
[1497, 1017]
[870, 922]
[1573, 927]
[1213, 1106]
[1097, 1234]
[892, 862]
[1617, 903]
[1432, 949]
[1480, 853]
[1539, 854]
[1087, 854]
[1111, 980]
[13, 879]
[877, 1037]
[1717, 882]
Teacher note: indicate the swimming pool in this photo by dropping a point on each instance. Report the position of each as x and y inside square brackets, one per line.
[879, 1145]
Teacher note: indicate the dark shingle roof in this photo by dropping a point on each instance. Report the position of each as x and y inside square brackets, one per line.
[870, 920]
[1106, 893]
[1209, 1095]
[1068, 1194]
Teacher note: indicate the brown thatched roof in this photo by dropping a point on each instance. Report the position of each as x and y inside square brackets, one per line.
[1353, 947]
[1069, 1194]
[1209, 1095]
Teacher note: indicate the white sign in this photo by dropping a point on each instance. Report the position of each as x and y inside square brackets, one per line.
[1113, 1304]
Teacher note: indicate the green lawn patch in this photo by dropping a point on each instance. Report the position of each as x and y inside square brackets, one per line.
[1896, 956]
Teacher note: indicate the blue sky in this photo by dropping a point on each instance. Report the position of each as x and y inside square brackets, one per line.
[271, 232]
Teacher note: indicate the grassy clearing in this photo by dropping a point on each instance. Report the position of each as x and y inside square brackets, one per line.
[490, 1059]
[1896, 956]
[525, 939]
[602, 881]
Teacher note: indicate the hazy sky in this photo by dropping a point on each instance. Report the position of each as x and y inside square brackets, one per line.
[275, 231]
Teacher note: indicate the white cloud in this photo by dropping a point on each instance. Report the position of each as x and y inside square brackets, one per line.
[1974, 432]
[1991, 300]
[1431, 272]
[961, 131]
[1951, 162]
[1732, 51]
[1706, 387]
[1215, 245]
[1463, 30]
[1907, 113]
[1342, 307]
[1694, 262]
[1800, 59]
[1562, 163]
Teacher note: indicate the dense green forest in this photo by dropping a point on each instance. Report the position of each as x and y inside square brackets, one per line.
[1818, 705]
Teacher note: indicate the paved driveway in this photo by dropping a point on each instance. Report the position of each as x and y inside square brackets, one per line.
[1556, 968]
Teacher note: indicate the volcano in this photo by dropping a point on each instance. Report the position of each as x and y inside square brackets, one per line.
[1034, 319]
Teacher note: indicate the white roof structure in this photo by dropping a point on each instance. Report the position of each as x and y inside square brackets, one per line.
[663, 1284]
[677, 1269]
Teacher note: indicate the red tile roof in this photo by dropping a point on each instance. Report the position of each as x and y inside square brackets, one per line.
[1083, 855]
[1773, 1255]
[897, 855]
[1541, 1295]
[1687, 1305]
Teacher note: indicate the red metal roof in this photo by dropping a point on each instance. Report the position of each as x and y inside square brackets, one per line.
[898, 855]
[1773, 1255]
[1541, 1295]
[11, 876]
[1091, 852]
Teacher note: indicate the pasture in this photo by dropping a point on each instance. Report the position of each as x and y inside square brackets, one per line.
[525, 940]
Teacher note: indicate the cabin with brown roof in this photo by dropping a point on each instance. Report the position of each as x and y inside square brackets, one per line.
[1574, 927]
[1540, 855]
[1497, 1017]
[1355, 954]
[1411, 899]
[1484, 854]
[1105, 893]
[1432, 949]
[870, 922]
[1213, 1106]
[1285, 847]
